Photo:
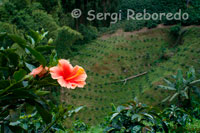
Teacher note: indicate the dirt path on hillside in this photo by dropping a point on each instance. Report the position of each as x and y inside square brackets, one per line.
[145, 29]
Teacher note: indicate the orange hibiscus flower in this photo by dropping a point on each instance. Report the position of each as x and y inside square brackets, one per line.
[40, 71]
[67, 75]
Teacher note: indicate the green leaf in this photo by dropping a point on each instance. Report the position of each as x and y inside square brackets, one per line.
[135, 116]
[46, 116]
[53, 58]
[22, 43]
[38, 56]
[29, 66]
[195, 82]
[120, 108]
[15, 84]
[17, 129]
[2, 36]
[166, 99]
[44, 48]
[42, 93]
[174, 96]
[167, 87]
[191, 74]
[14, 115]
[169, 83]
[71, 112]
[113, 116]
[18, 75]
[4, 84]
[35, 35]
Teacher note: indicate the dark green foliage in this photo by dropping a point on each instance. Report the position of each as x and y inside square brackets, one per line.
[175, 30]
[177, 116]
[135, 117]
[164, 6]
[89, 33]
[79, 126]
[30, 17]
[133, 25]
[66, 19]
[46, 21]
[65, 39]
[151, 24]
[48, 4]
[20, 4]
[182, 87]
[9, 28]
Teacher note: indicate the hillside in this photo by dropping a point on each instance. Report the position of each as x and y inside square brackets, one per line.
[118, 57]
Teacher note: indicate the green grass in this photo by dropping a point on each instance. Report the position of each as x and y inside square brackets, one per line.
[117, 58]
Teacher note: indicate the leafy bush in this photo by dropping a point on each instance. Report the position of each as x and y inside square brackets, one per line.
[48, 4]
[9, 28]
[66, 20]
[23, 106]
[79, 126]
[23, 20]
[135, 117]
[152, 24]
[20, 4]
[175, 30]
[177, 116]
[89, 33]
[65, 39]
[46, 21]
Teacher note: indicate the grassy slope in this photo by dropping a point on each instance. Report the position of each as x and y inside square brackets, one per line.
[123, 56]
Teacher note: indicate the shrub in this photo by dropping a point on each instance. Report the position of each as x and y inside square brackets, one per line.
[135, 117]
[65, 39]
[46, 21]
[20, 4]
[79, 126]
[48, 4]
[151, 24]
[133, 25]
[23, 20]
[89, 33]
[66, 20]
[175, 30]
[9, 28]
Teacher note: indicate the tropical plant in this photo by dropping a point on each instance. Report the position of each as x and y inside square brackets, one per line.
[135, 117]
[181, 86]
[79, 126]
[23, 95]
[177, 116]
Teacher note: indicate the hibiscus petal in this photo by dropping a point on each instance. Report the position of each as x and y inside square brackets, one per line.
[78, 74]
[66, 67]
[37, 70]
[64, 83]
[56, 73]
[81, 84]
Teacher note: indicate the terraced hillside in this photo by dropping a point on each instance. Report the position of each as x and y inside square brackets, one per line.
[119, 57]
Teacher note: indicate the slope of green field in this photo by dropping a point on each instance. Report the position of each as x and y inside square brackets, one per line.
[120, 57]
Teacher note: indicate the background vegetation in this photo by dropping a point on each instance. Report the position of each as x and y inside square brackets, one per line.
[110, 53]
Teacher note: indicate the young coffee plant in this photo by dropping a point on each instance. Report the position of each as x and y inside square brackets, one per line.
[176, 116]
[135, 117]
